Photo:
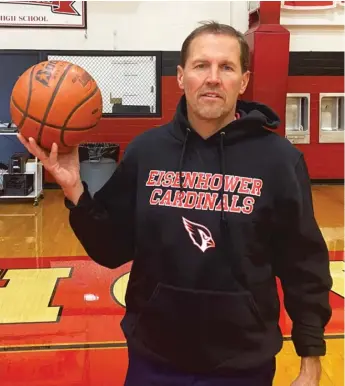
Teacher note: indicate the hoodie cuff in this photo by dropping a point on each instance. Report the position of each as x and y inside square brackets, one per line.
[84, 200]
[309, 341]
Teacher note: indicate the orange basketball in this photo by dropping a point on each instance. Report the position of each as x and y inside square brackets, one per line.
[56, 101]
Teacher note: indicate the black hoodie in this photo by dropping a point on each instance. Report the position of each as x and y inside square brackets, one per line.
[202, 293]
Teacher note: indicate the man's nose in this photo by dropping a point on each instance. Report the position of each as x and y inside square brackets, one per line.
[213, 76]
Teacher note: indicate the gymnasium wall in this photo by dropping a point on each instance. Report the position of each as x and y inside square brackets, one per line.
[314, 28]
[316, 73]
[129, 25]
[301, 53]
[316, 66]
[161, 27]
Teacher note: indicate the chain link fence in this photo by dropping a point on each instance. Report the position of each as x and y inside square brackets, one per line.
[127, 83]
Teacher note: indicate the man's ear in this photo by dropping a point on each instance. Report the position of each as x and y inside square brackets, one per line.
[180, 74]
[245, 81]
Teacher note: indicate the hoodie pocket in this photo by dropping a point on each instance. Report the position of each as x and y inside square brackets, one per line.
[201, 328]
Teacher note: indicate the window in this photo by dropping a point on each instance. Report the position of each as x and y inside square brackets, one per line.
[129, 83]
[331, 122]
[297, 118]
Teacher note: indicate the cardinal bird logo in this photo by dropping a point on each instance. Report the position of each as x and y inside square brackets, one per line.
[199, 234]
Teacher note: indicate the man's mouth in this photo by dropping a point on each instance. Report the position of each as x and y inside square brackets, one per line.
[211, 95]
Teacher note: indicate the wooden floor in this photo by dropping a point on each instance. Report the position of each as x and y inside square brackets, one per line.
[58, 309]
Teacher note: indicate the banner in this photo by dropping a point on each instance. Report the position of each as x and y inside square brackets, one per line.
[37, 14]
[310, 5]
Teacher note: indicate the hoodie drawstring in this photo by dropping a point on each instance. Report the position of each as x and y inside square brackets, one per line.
[224, 227]
[222, 170]
[182, 157]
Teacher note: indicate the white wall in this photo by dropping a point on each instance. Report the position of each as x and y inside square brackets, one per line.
[315, 29]
[313, 16]
[131, 25]
[316, 39]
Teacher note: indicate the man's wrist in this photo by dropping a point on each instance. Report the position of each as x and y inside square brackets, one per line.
[307, 360]
[74, 193]
[311, 366]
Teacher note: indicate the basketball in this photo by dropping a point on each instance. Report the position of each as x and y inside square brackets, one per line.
[56, 101]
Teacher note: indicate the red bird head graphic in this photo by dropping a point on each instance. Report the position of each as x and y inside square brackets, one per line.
[199, 234]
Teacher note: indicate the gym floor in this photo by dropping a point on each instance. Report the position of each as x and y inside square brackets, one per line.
[60, 312]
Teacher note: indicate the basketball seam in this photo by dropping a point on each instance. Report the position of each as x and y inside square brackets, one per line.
[75, 108]
[51, 125]
[25, 112]
[43, 123]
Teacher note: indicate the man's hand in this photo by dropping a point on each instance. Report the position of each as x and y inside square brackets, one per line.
[310, 373]
[63, 167]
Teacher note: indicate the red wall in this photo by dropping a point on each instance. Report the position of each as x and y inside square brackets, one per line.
[325, 161]
[269, 44]
[270, 83]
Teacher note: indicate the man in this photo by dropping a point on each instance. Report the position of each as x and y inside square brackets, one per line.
[211, 208]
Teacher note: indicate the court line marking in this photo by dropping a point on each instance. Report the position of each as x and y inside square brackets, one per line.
[335, 254]
[62, 347]
[98, 345]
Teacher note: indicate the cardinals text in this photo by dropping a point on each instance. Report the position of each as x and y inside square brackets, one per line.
[202, 191]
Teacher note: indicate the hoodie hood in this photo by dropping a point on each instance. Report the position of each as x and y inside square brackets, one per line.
[252, 119]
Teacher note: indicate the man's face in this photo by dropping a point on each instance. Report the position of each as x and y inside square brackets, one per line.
[212, 77]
